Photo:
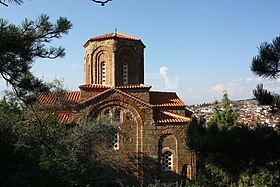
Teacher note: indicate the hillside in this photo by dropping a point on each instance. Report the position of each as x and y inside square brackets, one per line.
[250, 112]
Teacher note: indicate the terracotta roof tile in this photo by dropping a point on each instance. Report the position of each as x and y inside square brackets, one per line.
[65, 117]
[93, 86]
[111, 36]
[51, 98]
[165, 99]
[133, 86]
[163, 116]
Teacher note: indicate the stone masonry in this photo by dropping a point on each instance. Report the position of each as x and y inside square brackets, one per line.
[151, 143]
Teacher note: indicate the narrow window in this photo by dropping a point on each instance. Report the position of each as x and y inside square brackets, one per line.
[115, 142]
[117, 117]
[167, 161]
[125, 73]
[103, 73]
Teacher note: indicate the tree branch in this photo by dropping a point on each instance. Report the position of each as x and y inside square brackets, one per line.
[3, 4]
[101, 2]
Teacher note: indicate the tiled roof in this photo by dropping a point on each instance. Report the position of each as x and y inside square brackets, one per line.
[99, 86]
[133, 86]
[163, 116]
[165, 99]
[65, 117]
[93, 86]
[111, 36]
[157, 99]
[51, 98]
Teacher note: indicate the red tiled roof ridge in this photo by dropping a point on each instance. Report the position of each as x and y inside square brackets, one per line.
[111, 36]
[160, 117]
[133, 86]
[173, 114]
[92, 86]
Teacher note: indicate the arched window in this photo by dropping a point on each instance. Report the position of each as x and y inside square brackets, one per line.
[103, 73]
[109, 116]
[125, 73]
[167, 161]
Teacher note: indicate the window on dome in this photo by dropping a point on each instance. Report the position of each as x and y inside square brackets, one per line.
[125, 73]
[103, 73]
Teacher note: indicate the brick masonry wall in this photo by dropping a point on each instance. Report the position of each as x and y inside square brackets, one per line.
[114, 53]
[141, 140]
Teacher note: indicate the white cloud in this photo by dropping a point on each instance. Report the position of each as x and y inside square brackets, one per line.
[170, 83]
[219, 88]
[163, 71]
[237, 89]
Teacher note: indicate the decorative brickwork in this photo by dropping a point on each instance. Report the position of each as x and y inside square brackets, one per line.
[152, 140]
[114, 51]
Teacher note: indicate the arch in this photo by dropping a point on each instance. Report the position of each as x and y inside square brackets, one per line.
[186, 172]
[130, 119]
[101, 55]
[126, 54]
[96, 109]
[168, 146]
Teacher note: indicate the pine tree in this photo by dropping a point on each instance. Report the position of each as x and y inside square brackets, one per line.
[3, 2]
[225, 115]
[266, 65]
[21, 45]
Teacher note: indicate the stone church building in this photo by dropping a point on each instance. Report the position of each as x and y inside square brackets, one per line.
[152, 124]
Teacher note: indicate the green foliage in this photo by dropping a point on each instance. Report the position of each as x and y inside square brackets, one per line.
[226, 116]
[21, 45]
[265, 97]
[14, 1]
[38, 150]
[266, 65]
[64, 166]
[235, 155]
[18, 2]
[8, 116]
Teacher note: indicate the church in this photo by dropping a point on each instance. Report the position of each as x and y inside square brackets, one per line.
[152, 123]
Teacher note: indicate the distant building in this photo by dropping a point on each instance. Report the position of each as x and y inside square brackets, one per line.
[153, 124]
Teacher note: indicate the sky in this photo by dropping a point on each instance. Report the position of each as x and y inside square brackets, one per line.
[196, 48]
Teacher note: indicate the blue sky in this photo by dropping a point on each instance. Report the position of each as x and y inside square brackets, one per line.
[197, 48]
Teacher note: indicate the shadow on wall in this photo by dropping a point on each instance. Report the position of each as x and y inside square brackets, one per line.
[121, 169]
